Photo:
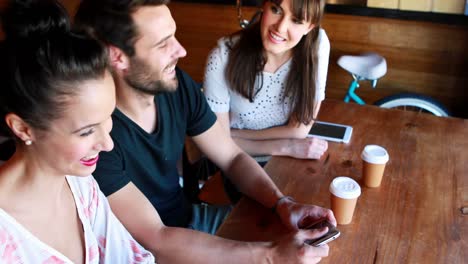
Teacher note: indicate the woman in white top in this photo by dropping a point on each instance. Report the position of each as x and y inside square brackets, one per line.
[266, 82]
[56, 100]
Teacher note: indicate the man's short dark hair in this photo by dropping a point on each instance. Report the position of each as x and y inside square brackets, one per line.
[111, 21]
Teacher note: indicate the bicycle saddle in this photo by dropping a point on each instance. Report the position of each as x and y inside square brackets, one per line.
[370, 66]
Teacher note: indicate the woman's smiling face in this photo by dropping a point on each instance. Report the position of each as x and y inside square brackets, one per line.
[72, 143]
[281, 30]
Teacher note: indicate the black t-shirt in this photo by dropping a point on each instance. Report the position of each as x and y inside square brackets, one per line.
[149, 160]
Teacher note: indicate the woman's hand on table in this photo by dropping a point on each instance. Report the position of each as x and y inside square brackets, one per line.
[307, 148]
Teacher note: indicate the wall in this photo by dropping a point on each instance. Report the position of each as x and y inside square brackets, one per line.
[422, 57]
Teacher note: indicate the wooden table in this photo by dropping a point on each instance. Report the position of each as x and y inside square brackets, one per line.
[415, 216]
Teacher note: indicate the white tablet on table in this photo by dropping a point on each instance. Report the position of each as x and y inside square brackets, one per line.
[331, 131]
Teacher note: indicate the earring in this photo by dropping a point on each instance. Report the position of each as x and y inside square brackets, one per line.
[28, 142]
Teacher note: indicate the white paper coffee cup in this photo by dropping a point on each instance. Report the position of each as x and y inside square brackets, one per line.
[344, 194]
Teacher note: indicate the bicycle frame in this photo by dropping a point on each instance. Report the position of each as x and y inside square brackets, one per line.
[370, 67]
[351, 94]
[402, 100]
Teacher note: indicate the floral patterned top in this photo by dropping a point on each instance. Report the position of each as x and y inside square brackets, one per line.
[106, 239]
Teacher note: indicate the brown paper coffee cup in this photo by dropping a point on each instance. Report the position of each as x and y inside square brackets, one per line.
[374, 160]
[344, 194]
[343, 209]
[372, 174]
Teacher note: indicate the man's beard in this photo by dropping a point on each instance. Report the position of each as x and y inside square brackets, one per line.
[142, 79]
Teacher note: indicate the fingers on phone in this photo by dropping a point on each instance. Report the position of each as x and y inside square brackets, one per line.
[310, 234]
[331, 217]
[320, 232]
[320, 252]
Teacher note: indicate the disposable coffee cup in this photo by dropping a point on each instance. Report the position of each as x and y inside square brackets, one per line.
[344, 194]
[374, 160]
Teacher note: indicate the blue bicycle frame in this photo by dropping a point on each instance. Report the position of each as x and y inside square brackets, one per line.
[352, 88]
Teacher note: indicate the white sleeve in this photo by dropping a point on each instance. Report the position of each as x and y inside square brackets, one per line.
[115, 243]
[323, 60]
[215, 86]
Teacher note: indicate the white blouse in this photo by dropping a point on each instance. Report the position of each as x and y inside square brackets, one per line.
[268, 109]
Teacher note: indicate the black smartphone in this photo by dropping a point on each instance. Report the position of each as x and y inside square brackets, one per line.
[331, 235]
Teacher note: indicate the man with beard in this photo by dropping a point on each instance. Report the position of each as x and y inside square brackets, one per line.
[157, 106]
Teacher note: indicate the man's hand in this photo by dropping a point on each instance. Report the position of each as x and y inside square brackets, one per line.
[296, 215]
[292, 249]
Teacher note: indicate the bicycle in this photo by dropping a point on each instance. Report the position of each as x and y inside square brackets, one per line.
[371, 67]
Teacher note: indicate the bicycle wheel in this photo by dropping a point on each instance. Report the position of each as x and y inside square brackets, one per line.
[413, 102]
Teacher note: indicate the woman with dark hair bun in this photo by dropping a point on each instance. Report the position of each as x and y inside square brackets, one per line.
[56, 100]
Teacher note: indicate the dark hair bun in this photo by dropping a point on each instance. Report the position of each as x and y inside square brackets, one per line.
[34, 18]
[42, 61]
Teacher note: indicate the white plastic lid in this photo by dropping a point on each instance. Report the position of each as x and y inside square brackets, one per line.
[345, 187]
[374, 154]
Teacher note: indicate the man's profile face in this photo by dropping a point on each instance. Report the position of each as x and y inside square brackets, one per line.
[152, 68]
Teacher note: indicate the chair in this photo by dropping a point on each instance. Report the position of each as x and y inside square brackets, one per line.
[202, 179]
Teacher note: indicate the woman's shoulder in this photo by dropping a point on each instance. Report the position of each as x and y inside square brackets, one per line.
[80, 180]
[219, 54]
[83, 186]
[228, 41]
[324, 42]
[225, 43]
[322, 36]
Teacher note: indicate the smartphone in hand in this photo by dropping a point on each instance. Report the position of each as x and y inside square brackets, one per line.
[331, 235]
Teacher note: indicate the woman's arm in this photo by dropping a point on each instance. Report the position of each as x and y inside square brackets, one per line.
[287, 140]
[305, 148]
[291, 130]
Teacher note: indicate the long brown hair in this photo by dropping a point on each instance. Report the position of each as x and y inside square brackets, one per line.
[247, 60]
